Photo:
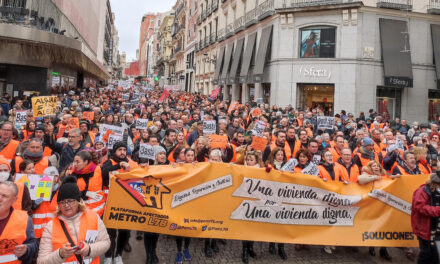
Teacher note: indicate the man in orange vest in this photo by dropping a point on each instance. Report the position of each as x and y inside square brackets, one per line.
[88, 136]
[40, 133]
[336, 150]
[8, 146]
[366, 153]
[294, 145]
[347, 168]
[280, 141]
[408, 166]
[17, 238]
[117, 162]
[33, 152]
[23, 201]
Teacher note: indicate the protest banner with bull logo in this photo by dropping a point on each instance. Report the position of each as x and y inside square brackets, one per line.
[226, 201]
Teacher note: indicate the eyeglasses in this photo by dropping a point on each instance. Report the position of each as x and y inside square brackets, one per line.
[67, 202]
[72, 136]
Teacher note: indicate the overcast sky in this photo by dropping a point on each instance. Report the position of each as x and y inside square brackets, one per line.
[128, 16]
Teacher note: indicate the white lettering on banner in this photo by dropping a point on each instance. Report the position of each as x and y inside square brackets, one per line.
[290, 165]
[295, 214]
[292, 193]
[112, 139]
[20, 118]
[209, 127]
[311, 169]
[258, 129]
[311, 71]
[115, 129]
[325, 122]
[391, 200]
[172, 87]
[141, 123]
[201, 190]
[146, 151]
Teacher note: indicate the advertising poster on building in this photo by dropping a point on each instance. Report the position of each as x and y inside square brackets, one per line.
[318, 43]
[226, 201]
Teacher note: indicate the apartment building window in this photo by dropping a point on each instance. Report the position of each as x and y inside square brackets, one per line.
[14, 3]
[318, 42]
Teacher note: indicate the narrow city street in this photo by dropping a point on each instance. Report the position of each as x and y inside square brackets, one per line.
[231, 254]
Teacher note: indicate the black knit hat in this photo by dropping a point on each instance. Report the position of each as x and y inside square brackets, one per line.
[69, 190]
[119, 144]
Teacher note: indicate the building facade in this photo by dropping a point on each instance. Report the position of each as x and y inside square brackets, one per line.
[165, 67]
[191, 43]
[358, 55]
[146, 32]
[55, 44]
[178, 30]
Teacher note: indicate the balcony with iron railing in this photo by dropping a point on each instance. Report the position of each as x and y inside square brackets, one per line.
[229, 30]
[250, 18]
[310, 3]
[265, 9]
[178, 49]
[208, 10]
[207, 43]
[434, 7]
[203, 14]
[239, 24]
[199, 20]
[213, 38]
[221, 34]
[395, 4]
[214, 5]
[179, 9]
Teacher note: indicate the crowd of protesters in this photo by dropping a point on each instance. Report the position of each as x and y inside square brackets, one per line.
[355, 150]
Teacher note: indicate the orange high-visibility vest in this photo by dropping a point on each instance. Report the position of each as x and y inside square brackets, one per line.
[9, 151]
[324, 174]
[43, 214]
[18, 203]
[336, 155]
[39, 166]
[89, 222]
[47, 152]
[351, 175]
[424, 169]
[95, 186]
[287, 149]
[26, 135]
[365, 161]
[13, 234]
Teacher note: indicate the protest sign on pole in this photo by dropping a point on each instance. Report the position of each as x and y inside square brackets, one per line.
[115, 129]
[257, 205]
[125, 97]
[400, 145]
[112, 139]
[214, 93]
[258, 129]
[290, 165]
[89, 116]
[311, 169]
[218, 141]
[44, 106]
[325, 122]
[256, 112]
[20, 118]
[146, 151]
[141, 123]
[259, 143]
[209, 127]
[39, 186]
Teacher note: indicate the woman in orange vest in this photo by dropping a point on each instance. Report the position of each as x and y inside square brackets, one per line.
[327, 170]
[80, 225]
[27, 167]
[422, 163]
[276, 160]
[304, 157]
[88, 173]
[28, 131]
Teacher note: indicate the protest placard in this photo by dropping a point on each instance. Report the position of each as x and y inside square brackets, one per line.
[135, 102]
[73, 123]
[20, 118]
[325, 122]
[256, 112]
[258, 129]
[400, 145]
[209, 127]
[39, 186]
[290, 165]
[233, 106]
[218, 141]
[112, 139]
[44, 106]
[90, 116]
[146, 151]
[125, 97]
[115, 129]
[259, 143]
[311, 169]
[141, 123]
